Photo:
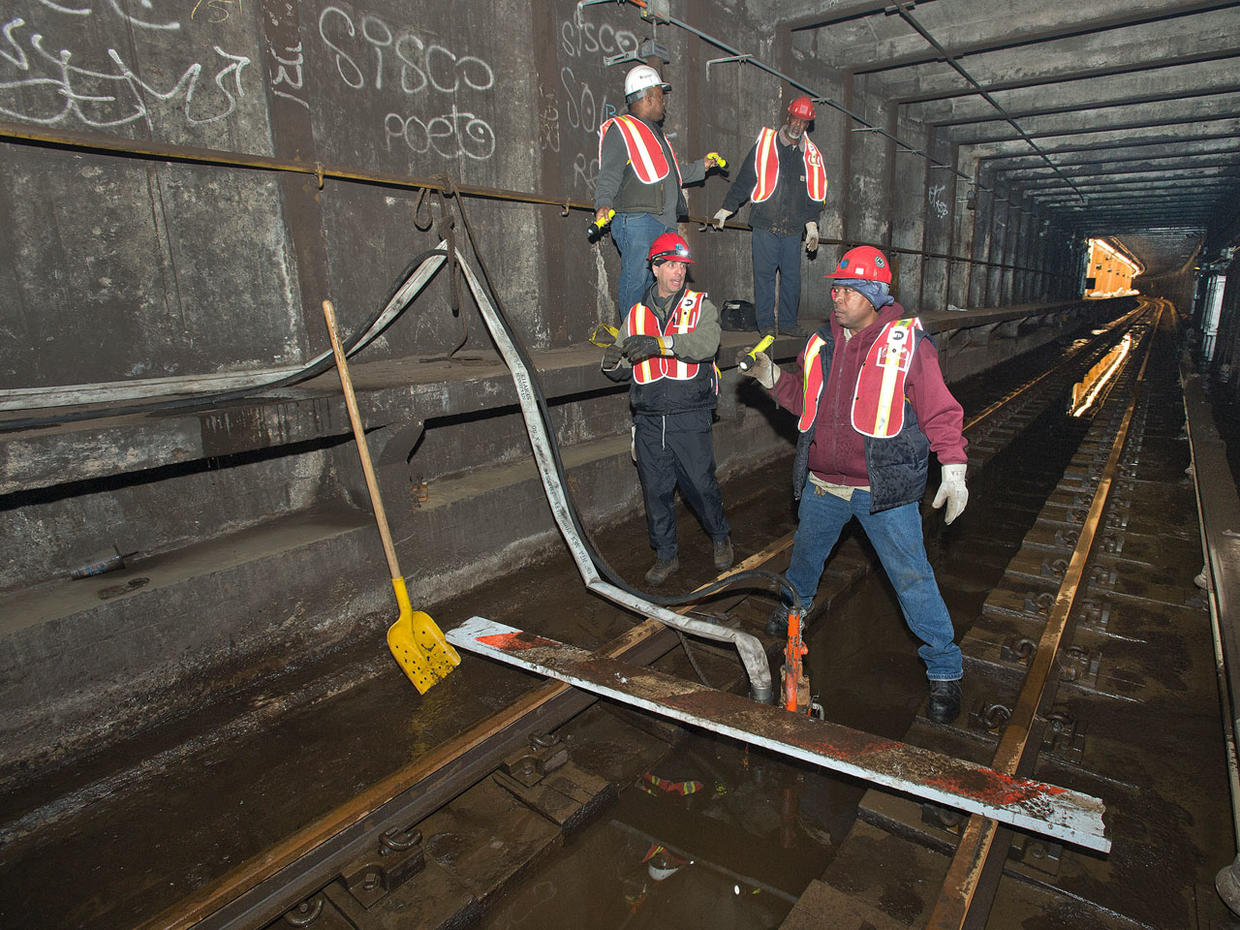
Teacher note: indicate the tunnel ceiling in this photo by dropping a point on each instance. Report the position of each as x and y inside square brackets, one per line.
[1116, 118]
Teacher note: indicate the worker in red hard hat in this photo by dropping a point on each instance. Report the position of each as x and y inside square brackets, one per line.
[784, 179]
[667, 348]
[640, 179]
[871, 406]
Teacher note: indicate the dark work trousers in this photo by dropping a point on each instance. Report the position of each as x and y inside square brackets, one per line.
[771, 253]
[678, 449]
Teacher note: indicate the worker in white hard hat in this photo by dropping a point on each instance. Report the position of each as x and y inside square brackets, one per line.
[784, 179]
[640, 179]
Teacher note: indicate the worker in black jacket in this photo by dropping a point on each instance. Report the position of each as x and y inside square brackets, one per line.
[667, 347]
[784, 178]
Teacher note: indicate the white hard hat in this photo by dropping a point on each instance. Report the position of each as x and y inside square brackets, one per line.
[641, 77]
[659, 872]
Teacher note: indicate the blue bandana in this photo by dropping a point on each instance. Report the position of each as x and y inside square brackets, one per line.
[876, 292]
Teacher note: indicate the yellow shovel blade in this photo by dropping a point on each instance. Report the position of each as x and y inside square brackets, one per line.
[418, 645]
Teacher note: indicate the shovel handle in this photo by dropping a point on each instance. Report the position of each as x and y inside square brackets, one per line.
[363, 450]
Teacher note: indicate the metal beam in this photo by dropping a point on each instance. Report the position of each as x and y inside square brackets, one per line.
[1020, 802]
[1021, 37]
[1087, 128]
[1183, 138]
[1091, 104]
[1062, 76]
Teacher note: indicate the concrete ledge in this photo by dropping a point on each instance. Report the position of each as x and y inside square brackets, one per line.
[393, 392]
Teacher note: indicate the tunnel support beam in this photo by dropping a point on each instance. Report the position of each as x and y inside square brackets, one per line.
[1020, 802]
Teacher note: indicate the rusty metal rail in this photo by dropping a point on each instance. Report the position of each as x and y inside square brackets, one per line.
[130, 148]
[1022, 802]
[976, 851]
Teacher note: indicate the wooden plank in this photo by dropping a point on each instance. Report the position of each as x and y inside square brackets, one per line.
[1020, 802]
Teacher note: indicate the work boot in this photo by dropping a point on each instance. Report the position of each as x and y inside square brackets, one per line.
[660, 571]
[723, 554]
[944, 703]
[777, 623]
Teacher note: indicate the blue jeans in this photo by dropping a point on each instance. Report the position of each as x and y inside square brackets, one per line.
[633, 234]
[772, 253]
[896, 537]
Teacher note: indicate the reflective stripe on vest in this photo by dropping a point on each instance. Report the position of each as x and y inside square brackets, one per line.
[878, 401]
[811, 383]
[643, 322]
[644, 151]
[766, 167]
[815, 173]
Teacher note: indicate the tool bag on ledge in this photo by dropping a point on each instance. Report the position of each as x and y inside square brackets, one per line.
[737, 316]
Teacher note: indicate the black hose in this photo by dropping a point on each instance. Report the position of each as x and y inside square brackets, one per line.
[219, 397]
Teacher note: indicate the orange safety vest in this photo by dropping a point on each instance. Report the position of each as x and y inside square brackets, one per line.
[878, 401]
[645, 153]
[766, 166]
[643, 322]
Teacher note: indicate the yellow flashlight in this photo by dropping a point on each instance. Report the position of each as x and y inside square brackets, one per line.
[747, 360]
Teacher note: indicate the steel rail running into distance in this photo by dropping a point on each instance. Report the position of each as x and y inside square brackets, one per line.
[1014, 754]
[276, 880]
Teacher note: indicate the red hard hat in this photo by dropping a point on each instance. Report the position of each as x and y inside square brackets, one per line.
[669, 247]
[864, 263]
[802, 108]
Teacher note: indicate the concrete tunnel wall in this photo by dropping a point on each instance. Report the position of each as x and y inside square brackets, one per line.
[119, 270]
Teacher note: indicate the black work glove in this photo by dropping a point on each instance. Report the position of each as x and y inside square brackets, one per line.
[612, 356]
[639, 348]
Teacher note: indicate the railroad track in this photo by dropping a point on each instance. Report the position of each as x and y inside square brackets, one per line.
[372, 844]
[1088, 655]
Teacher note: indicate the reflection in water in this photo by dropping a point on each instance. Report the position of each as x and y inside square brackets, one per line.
[716, 836]
[1086, 391]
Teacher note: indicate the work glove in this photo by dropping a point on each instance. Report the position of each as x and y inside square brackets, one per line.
[761, 368]
[811, 237]
[612, 356]
[952, 492]
[721, 216]
[639, 348]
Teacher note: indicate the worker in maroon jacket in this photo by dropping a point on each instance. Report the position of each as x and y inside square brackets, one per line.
[871, 406]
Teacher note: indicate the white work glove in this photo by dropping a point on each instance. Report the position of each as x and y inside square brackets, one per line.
[811, 237]
[763, 370]
[721, 216]
[952, 492]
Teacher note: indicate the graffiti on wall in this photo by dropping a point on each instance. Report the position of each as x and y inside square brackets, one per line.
[50, 76]
[44, 81]
[585, 99]
[369, 54]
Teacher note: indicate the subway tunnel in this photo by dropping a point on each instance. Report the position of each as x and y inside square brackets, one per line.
[205, 719]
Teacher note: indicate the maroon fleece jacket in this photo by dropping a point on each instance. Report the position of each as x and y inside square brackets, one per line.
[838, 451]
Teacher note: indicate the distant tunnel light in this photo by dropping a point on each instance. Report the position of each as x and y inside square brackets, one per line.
[1085, 391]
[1112, 271]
